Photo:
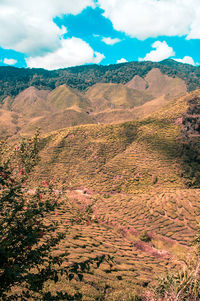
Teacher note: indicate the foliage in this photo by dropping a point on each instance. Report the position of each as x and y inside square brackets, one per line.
[145, 236]
[28, 231]
[14, 80]
[184, 284]
[190, 143]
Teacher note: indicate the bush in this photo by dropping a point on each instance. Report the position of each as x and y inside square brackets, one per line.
[28, 231]
[182, 285]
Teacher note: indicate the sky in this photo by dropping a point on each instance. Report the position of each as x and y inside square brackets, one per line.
[55, 34]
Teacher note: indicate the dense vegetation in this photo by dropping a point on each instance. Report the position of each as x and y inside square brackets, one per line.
[29, 232]
[190, 142]
[14, 80]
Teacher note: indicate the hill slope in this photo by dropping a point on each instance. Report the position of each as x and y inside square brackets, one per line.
[157, 84]
[124, 157]
[133, 175]
[115, 96]
[14, 80]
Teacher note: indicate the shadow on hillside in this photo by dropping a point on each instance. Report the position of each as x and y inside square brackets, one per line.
[185, 148]
[129, 132]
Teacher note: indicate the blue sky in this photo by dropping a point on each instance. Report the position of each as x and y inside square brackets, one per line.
[57, 34]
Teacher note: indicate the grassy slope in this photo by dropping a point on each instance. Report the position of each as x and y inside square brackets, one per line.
[64, 97]
[105, 96]
[123, 157]
[158, 84]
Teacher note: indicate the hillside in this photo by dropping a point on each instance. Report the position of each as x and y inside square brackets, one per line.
[129, 156]
[135, 176]
[44, 109]
[64, 97]
[157, 84]
[102, 103]
[115, 96]
[31, 102]
[123, 157]
[14, 80]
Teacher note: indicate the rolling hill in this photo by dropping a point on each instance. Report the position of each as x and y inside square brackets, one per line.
[158, 84]
[135, 177]
[115, 96]
[101, 103]
[128, 149]
[15, 80]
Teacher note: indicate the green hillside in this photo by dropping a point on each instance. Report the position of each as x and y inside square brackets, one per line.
[14, 80]
[125, 157]
[135, 176]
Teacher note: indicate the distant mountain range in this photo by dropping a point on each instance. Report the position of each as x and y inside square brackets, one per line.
[101, 103]
[14, 80]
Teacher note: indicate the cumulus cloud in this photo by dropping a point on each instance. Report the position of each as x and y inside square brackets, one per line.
[28, 27]
[162, 51]
[72, 52]
[186, 60]
[9, 61]
[110, 41]
[122, 60]
[152, 18]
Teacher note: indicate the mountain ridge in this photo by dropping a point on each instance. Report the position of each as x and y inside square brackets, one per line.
[13, 80]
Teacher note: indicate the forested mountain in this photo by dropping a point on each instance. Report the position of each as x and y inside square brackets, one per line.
[14, 80]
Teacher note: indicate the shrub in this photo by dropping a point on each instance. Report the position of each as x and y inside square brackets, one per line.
[28, 231]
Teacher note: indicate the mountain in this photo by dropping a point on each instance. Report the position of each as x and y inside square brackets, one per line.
[64, 97]
[115, 96]
[47, 110]
[100, 103]
[158, 84]
[127, 152]
[119, 157]
[14, 80]
[31, 102]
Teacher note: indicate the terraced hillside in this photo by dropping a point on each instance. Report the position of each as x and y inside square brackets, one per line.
[125, 157]
[146, 234]
[133, 178]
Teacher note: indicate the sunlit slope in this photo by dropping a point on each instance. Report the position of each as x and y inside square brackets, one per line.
[31, 102]
[158, 84]
[115, 96]
[65, 97]
[122, 115]
[58, 120]
[126, 157]
[10, 123]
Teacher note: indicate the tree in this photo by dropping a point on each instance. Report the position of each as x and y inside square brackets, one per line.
[28, 231]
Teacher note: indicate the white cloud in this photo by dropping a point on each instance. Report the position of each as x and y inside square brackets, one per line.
[153, 18]
[28, 27]
[163, 51]
[122, 60]
[72, 52]
[110, 41]
[186, 60]
[9, 61]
